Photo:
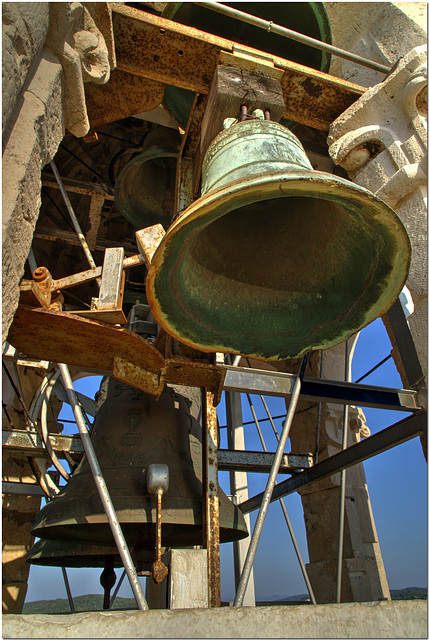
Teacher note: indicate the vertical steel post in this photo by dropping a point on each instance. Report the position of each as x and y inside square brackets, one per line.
[211, 537]
[102, 489]
[238, 482]
[270, 485]
[343, 483]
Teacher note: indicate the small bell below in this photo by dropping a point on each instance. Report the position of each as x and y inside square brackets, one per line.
[131, 431]
[275, 259]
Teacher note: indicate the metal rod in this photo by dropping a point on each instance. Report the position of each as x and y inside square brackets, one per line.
[238, 484]
[102, 489]
[270, 486]
[118, 586]
[31, 260]
[384, 440]
[270, 26]
[69, 595]
[283, 506]
[343, 481]
[365, 375]
[319, 412]
[74, 219]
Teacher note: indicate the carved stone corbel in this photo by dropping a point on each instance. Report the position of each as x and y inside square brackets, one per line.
[77, 41]
[381, 141]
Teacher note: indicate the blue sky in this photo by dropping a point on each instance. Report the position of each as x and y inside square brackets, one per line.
[397, 483]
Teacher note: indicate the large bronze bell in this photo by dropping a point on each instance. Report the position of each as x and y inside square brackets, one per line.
[144, 189]
[55, 553]
[275, 259]
[131, 431]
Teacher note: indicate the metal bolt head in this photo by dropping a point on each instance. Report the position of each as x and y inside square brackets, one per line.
[40, 274]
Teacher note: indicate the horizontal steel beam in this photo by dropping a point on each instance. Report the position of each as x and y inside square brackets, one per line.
[163, 50]
[273, 383]
[382, 441]
[31, 444]
[260, 462]
[22, 488]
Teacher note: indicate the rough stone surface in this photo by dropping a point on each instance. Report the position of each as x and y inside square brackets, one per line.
[24, 29]
[33, 142]
[381, 140]
[370, 29]
[400, 619]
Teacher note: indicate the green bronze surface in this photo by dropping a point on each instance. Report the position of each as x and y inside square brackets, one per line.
[275, 259]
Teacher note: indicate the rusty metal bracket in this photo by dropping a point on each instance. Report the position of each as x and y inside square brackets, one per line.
[182, 56]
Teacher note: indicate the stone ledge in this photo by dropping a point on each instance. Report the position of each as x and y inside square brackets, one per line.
[398, 619]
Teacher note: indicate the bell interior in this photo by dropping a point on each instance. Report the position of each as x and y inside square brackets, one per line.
[282, 274]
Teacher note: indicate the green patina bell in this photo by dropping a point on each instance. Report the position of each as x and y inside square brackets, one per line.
[131, 431]
[144, 189]
[275, 259]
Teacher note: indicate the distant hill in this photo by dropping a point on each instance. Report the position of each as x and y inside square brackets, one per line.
[91, 602]
[410, 593]
[94, 602]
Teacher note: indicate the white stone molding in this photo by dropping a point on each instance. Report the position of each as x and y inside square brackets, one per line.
[381, 141]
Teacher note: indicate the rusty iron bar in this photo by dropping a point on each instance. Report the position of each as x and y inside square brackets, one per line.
[211, 538]
[283, 506]
[92, 274]
[72, 214]
[270, 485]
[159, 570]
[270, 26]
[348, 375]
[103, 490]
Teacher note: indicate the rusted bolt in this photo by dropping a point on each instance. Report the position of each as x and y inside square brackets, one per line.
[39, 274]
[243, 115]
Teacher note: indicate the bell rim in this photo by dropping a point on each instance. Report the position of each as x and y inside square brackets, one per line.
[269, 187]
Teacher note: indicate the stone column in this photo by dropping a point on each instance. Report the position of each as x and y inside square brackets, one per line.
[363, 574]
[381, 141]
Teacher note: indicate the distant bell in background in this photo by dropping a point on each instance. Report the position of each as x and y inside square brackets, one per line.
[308, 18]
[131, 431]
[275, 258]
[145, 188]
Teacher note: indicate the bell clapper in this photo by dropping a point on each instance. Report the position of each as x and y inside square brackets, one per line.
[157, 482]
[108, 579]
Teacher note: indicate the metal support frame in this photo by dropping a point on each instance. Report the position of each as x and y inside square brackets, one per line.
[270, 486]
[282, 504]
[273, 383]
[103, 490]
[382, 441]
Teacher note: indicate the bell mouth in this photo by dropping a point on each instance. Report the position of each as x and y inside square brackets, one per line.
[273, 267]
